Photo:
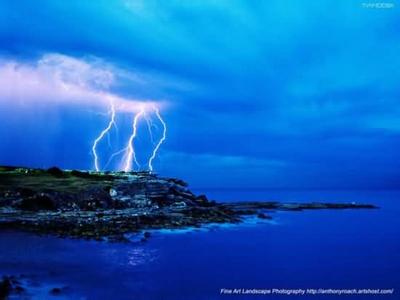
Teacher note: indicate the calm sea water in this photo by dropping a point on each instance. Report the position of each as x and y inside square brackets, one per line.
[313, 249]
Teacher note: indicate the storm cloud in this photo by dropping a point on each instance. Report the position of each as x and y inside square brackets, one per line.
[275, 94]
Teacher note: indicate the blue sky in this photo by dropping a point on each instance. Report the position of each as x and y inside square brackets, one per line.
[273, 94]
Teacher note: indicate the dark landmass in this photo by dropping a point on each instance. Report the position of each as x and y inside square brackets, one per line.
[109, 204]
[10, 285]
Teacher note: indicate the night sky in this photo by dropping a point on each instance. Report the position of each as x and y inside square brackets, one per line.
[256, 94]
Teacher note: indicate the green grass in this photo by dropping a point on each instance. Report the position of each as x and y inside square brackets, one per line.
[41, 180]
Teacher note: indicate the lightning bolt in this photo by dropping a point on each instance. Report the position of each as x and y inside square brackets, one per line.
[164, 136]
[102, 134]
[114, 155]
[130, 154]
[149, 124]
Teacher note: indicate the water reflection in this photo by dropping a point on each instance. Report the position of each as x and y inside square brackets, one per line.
[129, 255]
[139, 256]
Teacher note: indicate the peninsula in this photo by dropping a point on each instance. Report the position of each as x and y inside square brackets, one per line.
[108, 205]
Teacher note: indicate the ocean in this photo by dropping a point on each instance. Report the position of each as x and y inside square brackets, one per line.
[319, 252]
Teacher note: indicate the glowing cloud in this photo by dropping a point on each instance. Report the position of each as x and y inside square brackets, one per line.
[57, 78]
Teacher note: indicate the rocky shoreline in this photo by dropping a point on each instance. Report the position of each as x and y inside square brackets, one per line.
[109, 205]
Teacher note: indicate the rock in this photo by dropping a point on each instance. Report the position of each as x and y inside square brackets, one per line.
[81, 174]
[180, 204]
[5, 287]
[146, 236]
[263, 216]
[95, 198]
[120, 238]
[178, 182]
[37, 202]
[26, 192]
[245, 211]
[113, 193]
[56, 172]
[55, 291]
[202, 198]
[19, 289]
[95, 205]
